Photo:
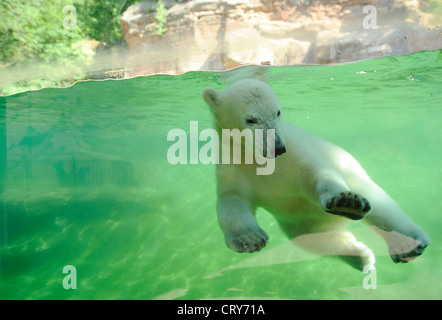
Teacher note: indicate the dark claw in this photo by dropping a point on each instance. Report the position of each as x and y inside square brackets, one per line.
[339, 201]
[358, 203]
[367, 206]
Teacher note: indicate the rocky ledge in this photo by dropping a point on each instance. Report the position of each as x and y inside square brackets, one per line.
[222, 34]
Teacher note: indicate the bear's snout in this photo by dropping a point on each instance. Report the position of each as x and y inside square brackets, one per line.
[279, 149]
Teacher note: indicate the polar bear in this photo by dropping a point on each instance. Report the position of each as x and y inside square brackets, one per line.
[315, 190]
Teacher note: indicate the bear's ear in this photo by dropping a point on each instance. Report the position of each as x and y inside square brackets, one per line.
[212, 97]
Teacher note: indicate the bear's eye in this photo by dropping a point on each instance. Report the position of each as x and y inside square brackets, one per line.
[251, 121]
[279, 113]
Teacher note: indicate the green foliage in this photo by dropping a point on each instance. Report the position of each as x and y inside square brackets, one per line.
[161, 17]
[33, 30]
[43, 42]
[100, 19]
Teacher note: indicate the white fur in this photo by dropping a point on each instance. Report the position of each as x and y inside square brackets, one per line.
[311, 175]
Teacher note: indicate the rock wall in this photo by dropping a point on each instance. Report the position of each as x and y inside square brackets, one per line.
[222, 34]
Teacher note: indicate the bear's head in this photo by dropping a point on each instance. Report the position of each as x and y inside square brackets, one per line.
[248, 104]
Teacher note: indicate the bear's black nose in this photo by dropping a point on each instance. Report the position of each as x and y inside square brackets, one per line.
[279, 150]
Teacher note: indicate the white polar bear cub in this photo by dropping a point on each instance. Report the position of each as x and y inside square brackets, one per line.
[316, 187]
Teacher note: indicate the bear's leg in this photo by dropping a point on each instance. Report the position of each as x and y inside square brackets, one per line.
[338, 243]
[241, 230]
[336, 198]
[405, 240]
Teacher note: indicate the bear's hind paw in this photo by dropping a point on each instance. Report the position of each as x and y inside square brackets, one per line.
[403, 248]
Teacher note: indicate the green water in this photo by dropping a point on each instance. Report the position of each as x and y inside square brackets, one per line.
[85, 181]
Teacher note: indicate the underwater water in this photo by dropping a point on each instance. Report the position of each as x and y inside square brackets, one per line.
[85, 181]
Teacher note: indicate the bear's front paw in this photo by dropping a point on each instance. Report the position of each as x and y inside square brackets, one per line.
[250, 239]
[347, 204]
